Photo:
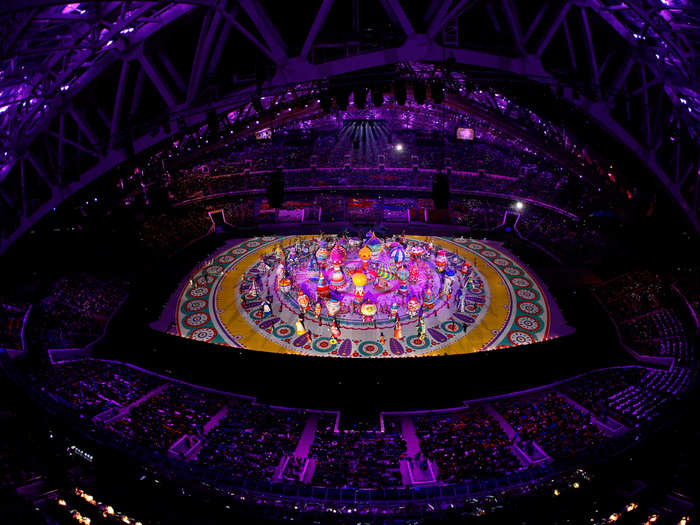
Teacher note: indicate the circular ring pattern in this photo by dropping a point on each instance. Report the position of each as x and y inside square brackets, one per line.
[195, 305]
[520, 338]
[282, 331]
[451, 327]
[200, 291]
[204, 334]
[528, 323]
[268, 238]
[520, 282]
[414, 342]
[205, 280]
[322, 345]
[527, 294]
[214, 269]
[196, 319]
[369, 348]
[530, 308]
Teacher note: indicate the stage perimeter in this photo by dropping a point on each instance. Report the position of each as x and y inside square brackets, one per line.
[494, 301]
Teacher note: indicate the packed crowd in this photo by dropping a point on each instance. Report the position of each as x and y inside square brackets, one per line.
[88, 294]
[91, 387]
[238, 437]
[252, 439]
[175, 411]
[596, 390]
[559, 428]
[466, 445]
[168, 232]
[362, 458]
[74, 313]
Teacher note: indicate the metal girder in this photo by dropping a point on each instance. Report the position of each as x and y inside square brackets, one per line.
[397, 14]
[267, 29]
[318, 22]
[527, 59]
[157, 80]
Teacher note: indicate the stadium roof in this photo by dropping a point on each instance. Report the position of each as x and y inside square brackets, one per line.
[86, 85]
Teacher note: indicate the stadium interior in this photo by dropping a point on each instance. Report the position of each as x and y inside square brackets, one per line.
[348, 261]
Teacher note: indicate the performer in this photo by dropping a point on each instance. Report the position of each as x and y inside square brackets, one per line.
[266, 309]
[317, 312]
[462, 299]
[397, 329]
[421, 328]
[381, 339]
[301, 329]
[335, 331]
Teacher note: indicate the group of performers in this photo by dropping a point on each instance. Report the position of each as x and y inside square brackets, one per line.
[285, 263]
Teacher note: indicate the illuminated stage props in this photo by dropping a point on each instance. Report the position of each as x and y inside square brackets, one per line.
[435, 295]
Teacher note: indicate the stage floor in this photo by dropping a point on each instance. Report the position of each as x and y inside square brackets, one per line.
[504, 305]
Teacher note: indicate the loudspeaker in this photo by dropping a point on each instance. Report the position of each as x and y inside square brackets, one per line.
[400, 91]
[342, 95]
[212, 121]
[419, 92]
[377, 96]
[325, 102]
[441, 191]
[437, 91]
[275, 189]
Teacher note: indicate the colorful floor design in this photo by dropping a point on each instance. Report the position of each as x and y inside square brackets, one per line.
[507, 307]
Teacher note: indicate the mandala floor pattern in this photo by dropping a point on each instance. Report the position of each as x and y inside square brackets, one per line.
[400, 297]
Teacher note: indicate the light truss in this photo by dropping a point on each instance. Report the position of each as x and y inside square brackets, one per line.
[85, 86]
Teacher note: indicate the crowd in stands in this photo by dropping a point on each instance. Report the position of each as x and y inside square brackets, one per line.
[594, 391]
[467, 445]
[168, 232]
[649, 316]
[239, 438]
[87, 294]
[559, 428]
[164, 417]
[632, 294]
[91, 387]
[252, 439]
[353, 155]
[358, 458]
[480, 214]
[74, 313]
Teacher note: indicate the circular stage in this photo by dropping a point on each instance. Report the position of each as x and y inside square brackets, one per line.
[368, 297]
